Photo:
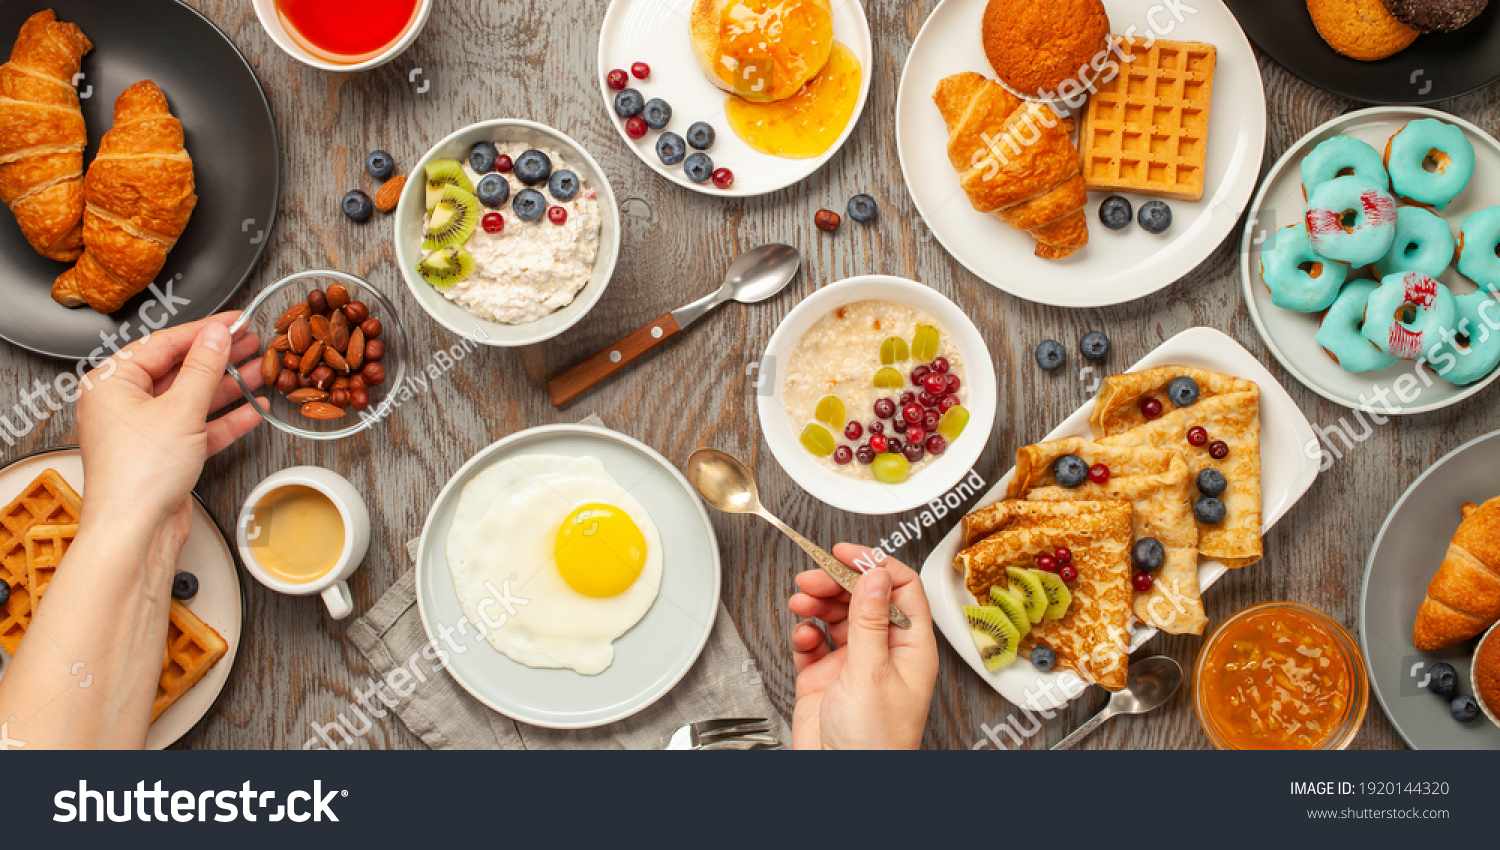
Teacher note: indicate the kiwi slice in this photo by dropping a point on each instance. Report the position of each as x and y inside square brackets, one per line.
[1013, 608]
[445, 172]
[993, 635]
[1024, 585]
[452, 221]
[1058, 595]
[446, 267]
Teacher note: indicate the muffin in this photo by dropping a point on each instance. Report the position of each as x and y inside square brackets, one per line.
[1033, 47]
[1360, 29]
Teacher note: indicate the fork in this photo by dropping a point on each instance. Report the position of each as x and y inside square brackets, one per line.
[736, 733]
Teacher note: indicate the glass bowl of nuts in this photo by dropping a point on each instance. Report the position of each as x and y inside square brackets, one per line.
[335, 353]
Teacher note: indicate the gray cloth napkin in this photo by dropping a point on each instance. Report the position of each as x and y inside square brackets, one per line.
[446, 717]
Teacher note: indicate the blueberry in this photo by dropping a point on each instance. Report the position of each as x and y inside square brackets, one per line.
[671, 148]
[863, 209]
[1148, 555]
[380, 165]
[184, 586]
[1442, 679]
[1211, 482]
[4, 593]
[493, 190]
[1115, 212]
[529, 205]
[1183, 391]
[532, 167]
[657, 112]
[1464, 708]
[629, 103]
[699, 167]
[482, 157]
[1051, 355]
[701, 136]
[1155, 217]
[563, 185]
[357, 205]
[1070, 471]
[1043, 658]
[1094, 346]
[1209, 510]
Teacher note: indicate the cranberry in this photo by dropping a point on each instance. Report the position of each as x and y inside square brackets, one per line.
[493, 222]
[878, 443]
[940, 364]
[1141, 582]
[931, 420]
[913, 412]
[854, 430]
[1067, 572]
[953, 384]
[1064, 555]
[918, 374]
[503, 163]
[865, 455]
[617, 79]
[723, 178]
[1150, 408]
[914, 452]
[1218, 450]
[936, 444]
[636, 127]
[1099, 473]
[843, 454]
[557, 215]
[877, 427]
[927, 399]
[885, 408]
[894, 445]
[1046, 562]
[641, 70]
[907, 398]
[899, 425]
[947, 403]
[935, 383]
[916, 434]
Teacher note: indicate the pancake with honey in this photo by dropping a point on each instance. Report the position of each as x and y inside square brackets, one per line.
[762, 50]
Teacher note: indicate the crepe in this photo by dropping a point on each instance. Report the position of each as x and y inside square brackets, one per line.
[1092, 639]
[1157, 484]
[1118, 408]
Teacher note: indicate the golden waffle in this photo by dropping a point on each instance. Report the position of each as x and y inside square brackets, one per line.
[48, 500]
[45, 547]
[1146, 131]
[193, 647]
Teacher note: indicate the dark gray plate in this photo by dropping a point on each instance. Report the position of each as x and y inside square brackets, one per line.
[236, 163]
[1406, 554]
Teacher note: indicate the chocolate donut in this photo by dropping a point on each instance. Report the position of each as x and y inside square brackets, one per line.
[1435, 15]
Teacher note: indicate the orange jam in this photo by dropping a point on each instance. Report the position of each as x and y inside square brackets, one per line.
[1275, 679]
[809, 122]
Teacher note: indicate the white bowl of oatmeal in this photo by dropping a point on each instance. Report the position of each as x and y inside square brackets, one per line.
[831, 345]
[533, 279]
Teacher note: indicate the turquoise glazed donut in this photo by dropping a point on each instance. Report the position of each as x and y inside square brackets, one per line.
[1406, 157]
[1478, 354]
[1423, 244]
[1351, 220]
[1406, 314]
[1338, 156]
[1340, 332]
[1479, 252]
[1299, 279]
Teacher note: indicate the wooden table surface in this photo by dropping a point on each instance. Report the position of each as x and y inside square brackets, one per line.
[535, 60]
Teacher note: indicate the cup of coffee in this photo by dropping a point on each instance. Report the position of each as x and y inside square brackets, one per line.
[304, 531]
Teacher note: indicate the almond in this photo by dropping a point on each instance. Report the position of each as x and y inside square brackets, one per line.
[322, 331]
[390, 193]
[311, 358]
[270, 367]
[321, 411]
[338, 296]
[338, 333]
[303, 396]
[281, 343]
[300, 310]
[354, 355]
[299, 335]
[333, 358]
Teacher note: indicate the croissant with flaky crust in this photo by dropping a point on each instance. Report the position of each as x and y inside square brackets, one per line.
[42, 135]
[139, 195]
[1463, 599]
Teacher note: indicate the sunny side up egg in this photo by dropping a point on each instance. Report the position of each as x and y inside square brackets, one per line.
[580, 550]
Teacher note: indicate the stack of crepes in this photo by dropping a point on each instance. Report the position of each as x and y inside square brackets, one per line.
[1149, 493]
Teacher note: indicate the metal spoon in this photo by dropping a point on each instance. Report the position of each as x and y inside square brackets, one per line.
[754, 276]
[725, 483]
[1151, 682]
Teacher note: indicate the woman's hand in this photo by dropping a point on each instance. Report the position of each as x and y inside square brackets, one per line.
[872, 689]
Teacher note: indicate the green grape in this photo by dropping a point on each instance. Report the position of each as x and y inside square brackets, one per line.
[816, 439]
[830, 410]
[953, 422]
[889, 379]
[893, 351]
[924, 343]
[890, 468]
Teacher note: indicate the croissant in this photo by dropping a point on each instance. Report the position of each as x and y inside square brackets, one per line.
[139, 196]
[42, 135]
[1463, 599]
[1016, 159]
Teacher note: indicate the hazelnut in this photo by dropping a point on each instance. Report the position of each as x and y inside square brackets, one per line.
[827, 220]
[374, 374]
[286, 382]
[356, 312]
[359, 399]
[371, 327]
[317, 301]
[374, 350]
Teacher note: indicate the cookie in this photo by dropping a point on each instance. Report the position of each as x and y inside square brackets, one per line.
[1435, 15]
[1034, 48]
[1360, 29]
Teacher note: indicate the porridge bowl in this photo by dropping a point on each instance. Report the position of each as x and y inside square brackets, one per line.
[532, 276]
[886, 348]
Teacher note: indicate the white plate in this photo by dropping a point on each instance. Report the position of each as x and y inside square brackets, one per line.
[1116, 266]
[650, 658]
[206, 555]
[1289, 334]
[656, 32]
[1288, 465]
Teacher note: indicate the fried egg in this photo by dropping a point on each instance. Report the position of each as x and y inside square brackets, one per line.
[552, 560]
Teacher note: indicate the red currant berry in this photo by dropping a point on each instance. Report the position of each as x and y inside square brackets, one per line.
[1064, 555]
[636, 127]
[617, 79]
[723, 178]
[940, 364]
[1142, 582]
[842, 455]
[1150, 408]
[878, 443]
[913, 412]
[1218, 450]
[1099, 473]
[641, 70]
[1197, 435]
[936, 444]
[854, 430]
[503, 163]
[935, 383]
[492, 222]
[557, 215]
[1067, 572]
[916, 434]
[1046, 563]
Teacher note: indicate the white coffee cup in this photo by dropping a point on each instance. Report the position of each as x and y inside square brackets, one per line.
[333, 585]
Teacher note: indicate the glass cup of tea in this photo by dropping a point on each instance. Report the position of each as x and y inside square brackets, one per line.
[303, 531]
